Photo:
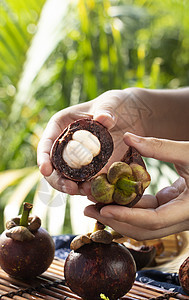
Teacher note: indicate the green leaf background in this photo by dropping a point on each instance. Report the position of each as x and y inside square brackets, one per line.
[56, 53]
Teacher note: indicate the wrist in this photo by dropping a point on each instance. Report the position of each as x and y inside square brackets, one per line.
[163, 113]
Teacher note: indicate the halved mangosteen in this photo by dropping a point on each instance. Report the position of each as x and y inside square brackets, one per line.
[82, 150]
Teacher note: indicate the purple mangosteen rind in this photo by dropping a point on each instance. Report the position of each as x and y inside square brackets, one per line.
[184, 275]
[26, 259]
[98, 162]
[27, 250]
[132, 155]
[100, 268]
[144, 255]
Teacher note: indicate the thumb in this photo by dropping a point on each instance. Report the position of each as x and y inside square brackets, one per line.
[105, 118]
[104, 109]
[162, 149]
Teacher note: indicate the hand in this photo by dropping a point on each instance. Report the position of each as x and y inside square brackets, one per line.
[118, 110]
[154, 216]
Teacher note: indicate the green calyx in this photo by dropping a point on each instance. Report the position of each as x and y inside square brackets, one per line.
[126, 186]
[102, 190]
[121, 185]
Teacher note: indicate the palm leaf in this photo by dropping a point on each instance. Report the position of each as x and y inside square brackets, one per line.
[14, 34]
[53, 60]
[50, 206]
[47, 37]
[10, 177]
[19, 194]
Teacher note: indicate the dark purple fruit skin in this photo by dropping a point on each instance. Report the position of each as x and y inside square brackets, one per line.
[143, 256]
[27, 259]
[98, 162]
[184, 275]
[99, 268]
[133, 156]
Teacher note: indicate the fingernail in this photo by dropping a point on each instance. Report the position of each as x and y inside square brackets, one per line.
[135, 138]
[106, 118]
[104, 114]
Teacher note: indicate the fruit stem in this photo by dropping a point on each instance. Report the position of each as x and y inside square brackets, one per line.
[126, 185]
[25, 214]
[98, 226]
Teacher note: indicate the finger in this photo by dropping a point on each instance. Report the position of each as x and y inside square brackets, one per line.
[147, 201]
[44, 147]
[166, 194]
[132, 231]
[85, 188]
[53, 129]
[180, 184]
[163, 196]
[142, 234]
[166, 150]
[166, 215]
[105, 107]
[171, 192]
[43, 157]
[105, 118]
[62, 184]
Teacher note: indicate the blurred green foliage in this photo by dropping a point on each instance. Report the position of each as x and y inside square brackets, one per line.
[90, 47]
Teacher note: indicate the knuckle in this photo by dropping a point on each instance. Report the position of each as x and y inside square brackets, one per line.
[156, 145]
[157, 225]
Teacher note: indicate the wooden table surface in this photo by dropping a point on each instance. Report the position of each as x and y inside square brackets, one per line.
[51, 286]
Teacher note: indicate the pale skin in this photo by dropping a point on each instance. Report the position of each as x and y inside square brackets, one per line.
[155, 122]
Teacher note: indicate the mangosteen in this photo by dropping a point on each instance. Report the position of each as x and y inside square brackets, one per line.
[143, 255]
[124, 183]
[96, 266]
[81, 150]
[184, 275]
[27, 250]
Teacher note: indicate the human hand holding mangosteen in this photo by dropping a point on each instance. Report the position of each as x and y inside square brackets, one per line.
[153, 216]
[108, 110]
[143, 112]
[140, 111]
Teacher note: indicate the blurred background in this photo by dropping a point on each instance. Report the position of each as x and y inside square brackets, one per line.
[57, 53]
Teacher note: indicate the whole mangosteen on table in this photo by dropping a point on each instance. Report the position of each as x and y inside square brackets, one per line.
[97, 265]
[26, 249]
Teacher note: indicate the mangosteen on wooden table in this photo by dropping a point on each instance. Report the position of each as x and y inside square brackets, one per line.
[81, 150]
[97, 265]
[26, 249]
